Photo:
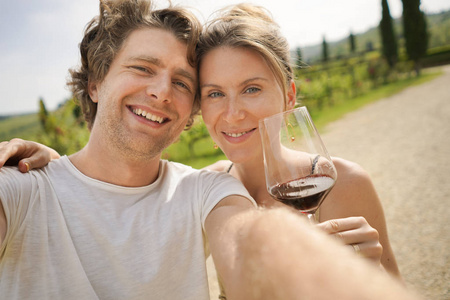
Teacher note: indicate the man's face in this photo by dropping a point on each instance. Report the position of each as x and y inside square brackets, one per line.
[146, 98]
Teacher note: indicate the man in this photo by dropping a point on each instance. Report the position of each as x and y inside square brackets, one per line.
[114, 221]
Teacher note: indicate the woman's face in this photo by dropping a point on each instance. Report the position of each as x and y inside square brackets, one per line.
[238, 89]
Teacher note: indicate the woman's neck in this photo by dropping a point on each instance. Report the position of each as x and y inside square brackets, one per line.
[251, 174]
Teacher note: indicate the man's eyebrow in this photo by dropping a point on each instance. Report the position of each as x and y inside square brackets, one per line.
[149, 59]
[187, 75]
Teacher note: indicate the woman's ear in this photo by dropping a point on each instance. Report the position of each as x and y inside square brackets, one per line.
[92, 89]
[291, 95]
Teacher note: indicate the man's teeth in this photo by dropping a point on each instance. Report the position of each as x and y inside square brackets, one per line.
[237, 134]
[147, 115]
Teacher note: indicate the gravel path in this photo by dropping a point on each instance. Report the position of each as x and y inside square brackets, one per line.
[403, 141]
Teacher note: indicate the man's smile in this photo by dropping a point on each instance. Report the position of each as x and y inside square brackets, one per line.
[149, 116]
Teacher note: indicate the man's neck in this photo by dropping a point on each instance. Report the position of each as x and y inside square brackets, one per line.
[110, 167]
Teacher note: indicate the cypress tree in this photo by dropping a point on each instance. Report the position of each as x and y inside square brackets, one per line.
[298, 60]
[389, 42]
[43, 114]
[324, 50]
[415, 32]
[352, 42]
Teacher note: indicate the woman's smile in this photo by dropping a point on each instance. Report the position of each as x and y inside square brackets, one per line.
[238, 136]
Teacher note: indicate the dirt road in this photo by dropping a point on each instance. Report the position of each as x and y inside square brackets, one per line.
[404, 143]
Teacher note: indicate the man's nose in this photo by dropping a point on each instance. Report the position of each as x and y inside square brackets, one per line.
[160, 88]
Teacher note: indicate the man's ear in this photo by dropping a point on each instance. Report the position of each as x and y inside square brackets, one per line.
[291, 95]
[92, 89]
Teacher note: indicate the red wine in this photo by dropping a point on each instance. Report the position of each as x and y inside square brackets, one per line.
[304, 194]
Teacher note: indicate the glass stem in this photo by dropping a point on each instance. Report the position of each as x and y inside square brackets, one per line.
[312, 218]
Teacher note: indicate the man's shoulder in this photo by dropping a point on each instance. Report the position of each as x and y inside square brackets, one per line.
[173, 166]
[184, 172]
[220, 166]
[11, 174]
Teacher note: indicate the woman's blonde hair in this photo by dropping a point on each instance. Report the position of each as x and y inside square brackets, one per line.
[251, 27]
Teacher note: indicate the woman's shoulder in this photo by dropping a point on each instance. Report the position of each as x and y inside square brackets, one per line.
[349, 170]
[353, 193]
[219, 166]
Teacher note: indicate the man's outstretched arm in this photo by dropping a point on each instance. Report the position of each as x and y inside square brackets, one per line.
[2, 224]
[275, 254]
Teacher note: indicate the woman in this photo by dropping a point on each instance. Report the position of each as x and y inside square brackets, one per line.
[245, 75]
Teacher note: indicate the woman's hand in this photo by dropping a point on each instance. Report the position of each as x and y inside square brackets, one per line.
[26, 154]
[357, 234]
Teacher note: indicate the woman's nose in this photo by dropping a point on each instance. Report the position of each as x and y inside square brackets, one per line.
[234, 110]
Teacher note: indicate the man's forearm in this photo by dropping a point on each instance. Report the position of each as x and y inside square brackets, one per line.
[280, 256]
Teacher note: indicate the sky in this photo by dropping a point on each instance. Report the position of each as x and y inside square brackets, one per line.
[39, 38]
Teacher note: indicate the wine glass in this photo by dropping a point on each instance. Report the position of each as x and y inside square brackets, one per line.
[299, 171]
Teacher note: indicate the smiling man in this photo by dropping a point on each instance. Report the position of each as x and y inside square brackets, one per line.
[114, 221]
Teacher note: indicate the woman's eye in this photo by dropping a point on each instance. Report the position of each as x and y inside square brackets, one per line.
[215, 95]
[252, 90]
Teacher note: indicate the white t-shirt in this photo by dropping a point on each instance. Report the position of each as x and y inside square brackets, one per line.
[73, 237]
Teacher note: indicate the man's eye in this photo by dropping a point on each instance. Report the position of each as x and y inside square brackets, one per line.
[183, 85]
[142, 69]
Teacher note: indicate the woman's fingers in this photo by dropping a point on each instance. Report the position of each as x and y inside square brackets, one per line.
[26, 154]
[355, 232]
[344, 224]
[8, 151]
[371, 250]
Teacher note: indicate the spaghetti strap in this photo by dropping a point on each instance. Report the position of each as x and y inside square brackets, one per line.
[229, 169]
[314, 163]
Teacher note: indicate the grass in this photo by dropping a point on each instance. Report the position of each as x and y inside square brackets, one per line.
[330, 114]
[22, 126]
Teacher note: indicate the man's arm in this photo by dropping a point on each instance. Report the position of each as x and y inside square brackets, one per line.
[275, 254]
[2, 224]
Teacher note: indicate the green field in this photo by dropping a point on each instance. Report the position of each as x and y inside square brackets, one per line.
[21, 126]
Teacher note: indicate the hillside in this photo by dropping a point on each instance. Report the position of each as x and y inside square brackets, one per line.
[24, 126]
[438, 27]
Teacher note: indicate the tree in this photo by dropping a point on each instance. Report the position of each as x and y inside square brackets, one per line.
[415, 32]
[324, 50]
[193, 135]
[389, 42]
[352, 43]
[43, 113]
[298, 60]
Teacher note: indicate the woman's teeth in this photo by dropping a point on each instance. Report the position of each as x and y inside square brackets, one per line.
[235, 135]
[148, 116]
